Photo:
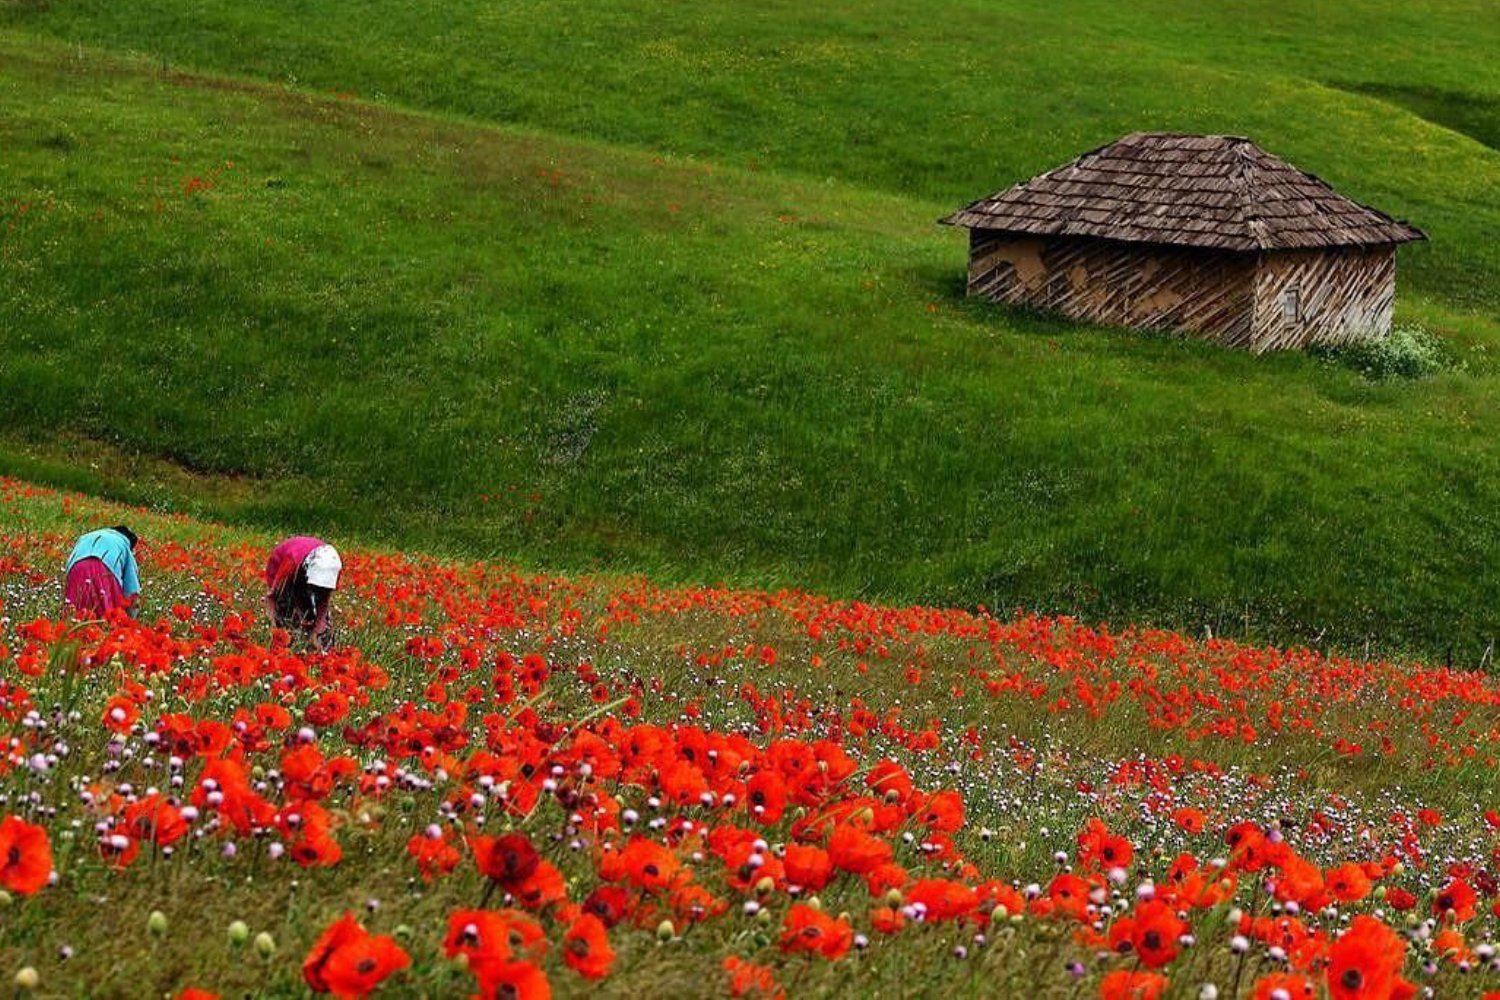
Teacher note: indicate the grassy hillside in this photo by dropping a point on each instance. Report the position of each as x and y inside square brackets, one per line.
[945, 103]
[750, 359]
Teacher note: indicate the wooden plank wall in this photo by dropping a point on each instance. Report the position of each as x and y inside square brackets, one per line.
[1118, 284]
[1344, 295]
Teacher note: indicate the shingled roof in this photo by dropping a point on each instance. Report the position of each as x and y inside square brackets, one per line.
[1217, 191]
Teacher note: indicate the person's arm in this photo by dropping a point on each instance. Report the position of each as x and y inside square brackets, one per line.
[322, 625]
[131, 584]
[270, 606]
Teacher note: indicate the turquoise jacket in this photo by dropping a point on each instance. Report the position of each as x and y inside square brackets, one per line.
[113, 549]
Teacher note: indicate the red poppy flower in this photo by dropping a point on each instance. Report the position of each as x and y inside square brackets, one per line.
[746, 979]
[348, 961]
[1129, 985]
[493, 942]
[1069, 895]
[25, 856]
[1155, 933]
[1348, 882]
[586, 948]
[610, 903]
[155, 820]
[509, 859]
[813, 931]
[1365, 963]
[543, 887]
[435, 856]
[649, 865]
[1456, 902]
[942, 899]
[807, 866]
[854, 850]
[1099, 848]
[943, 812]
[887, 919]
[1277, 985]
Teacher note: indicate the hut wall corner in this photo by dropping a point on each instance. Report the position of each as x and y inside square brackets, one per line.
[1337, 296]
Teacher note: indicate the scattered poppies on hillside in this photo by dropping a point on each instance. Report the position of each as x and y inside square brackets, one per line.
[571, 776]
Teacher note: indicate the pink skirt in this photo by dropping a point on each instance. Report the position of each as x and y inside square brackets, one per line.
[92, 589]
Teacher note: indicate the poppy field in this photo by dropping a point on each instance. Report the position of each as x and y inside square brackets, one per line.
[509, 785]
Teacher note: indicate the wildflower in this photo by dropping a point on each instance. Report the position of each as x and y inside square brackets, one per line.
[499, 946]
[349, 961]
[586, 948]
[1155, 933]
[435, 856]
[746, 979]
[1129, 985]
[812, 931]
[648, 864]
[807, 866]
[509, 859]
[1365, 963]
[1456, 902]
[856, 851]
[25, 856]
[1284, 986]
[1348, 883]
[1099, 848]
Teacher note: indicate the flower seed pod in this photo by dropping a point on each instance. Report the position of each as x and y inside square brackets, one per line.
[265, 945]
[156, 923]
[239, 932]
[28, 979]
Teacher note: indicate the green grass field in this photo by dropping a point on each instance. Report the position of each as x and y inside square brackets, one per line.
[659, 288]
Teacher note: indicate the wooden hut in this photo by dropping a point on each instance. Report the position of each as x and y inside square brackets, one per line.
[1202, 233]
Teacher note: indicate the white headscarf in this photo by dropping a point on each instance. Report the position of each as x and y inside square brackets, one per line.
[323, 567]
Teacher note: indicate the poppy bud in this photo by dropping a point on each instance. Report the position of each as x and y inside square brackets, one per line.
[156, 923]
[815, 903]
[665, 931]
[4, 898]
[28, 979]
[265, 945]
[765, 886]
[893, 897]
[403, 931]
[239, 932]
